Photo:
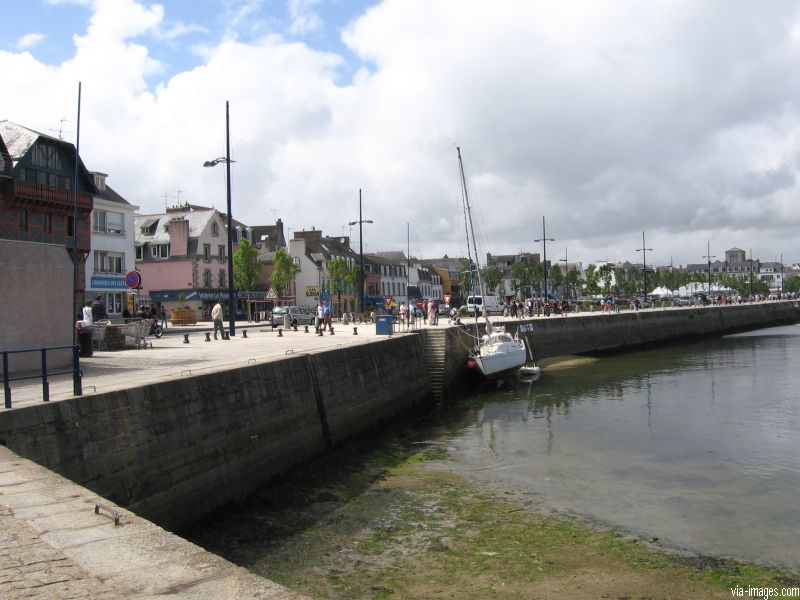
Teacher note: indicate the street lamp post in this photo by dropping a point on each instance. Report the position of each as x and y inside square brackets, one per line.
[408, 266]
[709, 257]
[544, 239]
[360, 222]
[566, 269]
[211, 163]
[644, 250]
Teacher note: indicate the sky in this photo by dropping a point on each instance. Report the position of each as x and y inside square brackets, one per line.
[674, 118]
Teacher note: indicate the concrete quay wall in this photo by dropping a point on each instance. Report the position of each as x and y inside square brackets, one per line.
[608, 332]
[174, 450]
[589, 333]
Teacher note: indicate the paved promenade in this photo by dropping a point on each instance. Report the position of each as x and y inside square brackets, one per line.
[170, 358]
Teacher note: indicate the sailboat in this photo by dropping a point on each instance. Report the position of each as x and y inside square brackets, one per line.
[496, 353]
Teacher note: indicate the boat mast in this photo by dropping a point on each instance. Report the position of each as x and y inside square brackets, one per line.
[471, 230]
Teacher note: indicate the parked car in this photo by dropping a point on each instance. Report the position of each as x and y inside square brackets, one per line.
[300, 315]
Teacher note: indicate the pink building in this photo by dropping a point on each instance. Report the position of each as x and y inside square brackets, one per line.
[183, 253]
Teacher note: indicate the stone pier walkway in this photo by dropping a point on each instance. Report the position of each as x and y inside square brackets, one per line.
[54, 546]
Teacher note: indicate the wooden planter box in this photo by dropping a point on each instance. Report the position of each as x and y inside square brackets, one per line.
[183, 316]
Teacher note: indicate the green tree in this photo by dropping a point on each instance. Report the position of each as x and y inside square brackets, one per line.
[466, 278]
[246, 268]
[492, 276]
[339, 273]
[284, 272]
[792, 284]
[520, 275]
[572, 281]
[537, 276]
[592, 280]
[606, 275]
[354, 281]
[555, 276]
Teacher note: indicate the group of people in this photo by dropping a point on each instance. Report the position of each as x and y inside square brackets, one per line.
[535, 307]
[322, 321]
[430, 312]
[92, 312]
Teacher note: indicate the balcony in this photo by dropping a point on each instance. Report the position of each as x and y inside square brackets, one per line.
[34, 192]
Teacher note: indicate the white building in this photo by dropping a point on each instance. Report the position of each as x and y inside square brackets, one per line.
[393, 267]
[312, 252]
[112, 252]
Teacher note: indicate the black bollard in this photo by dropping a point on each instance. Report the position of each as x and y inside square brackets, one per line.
[355, 330]
[208, 336]
[294, 327]
[244, 333]
[280, 332]
[306, 328]
[331, 329]
[185, 338]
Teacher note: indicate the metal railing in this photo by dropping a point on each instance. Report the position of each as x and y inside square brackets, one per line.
[77, 388]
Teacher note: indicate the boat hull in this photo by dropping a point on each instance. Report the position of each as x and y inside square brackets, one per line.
[502, 363]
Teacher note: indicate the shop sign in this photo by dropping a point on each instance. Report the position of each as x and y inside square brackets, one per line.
[108, 283]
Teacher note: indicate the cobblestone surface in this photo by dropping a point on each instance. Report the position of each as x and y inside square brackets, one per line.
[54, 546]
[30, 568]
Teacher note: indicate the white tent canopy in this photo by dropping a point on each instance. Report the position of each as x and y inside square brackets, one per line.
[701, 288]
[662, 291]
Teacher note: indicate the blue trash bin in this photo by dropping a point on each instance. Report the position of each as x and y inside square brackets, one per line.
[383, 325]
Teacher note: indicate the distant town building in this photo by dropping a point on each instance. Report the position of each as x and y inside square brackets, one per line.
[182, 253]
[37, 195]
[112, 254]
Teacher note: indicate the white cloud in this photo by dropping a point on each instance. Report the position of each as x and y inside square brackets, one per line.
[29, 40]
[677, 118]
[303, 17]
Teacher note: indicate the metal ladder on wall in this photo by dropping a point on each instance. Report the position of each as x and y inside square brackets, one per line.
[435, 344]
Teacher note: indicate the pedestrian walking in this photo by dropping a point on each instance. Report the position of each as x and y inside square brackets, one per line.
[216, 316]
[433, 316]
[163, 313]
[326, 313]
[99, 309]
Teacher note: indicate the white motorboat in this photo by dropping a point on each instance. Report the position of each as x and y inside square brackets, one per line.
[497, 353]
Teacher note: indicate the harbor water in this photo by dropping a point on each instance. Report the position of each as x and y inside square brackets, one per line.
[696, 445]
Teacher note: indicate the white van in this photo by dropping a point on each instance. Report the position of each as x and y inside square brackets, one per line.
[491, 304]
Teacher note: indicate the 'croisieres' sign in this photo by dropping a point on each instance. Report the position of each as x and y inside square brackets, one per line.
[108, 283]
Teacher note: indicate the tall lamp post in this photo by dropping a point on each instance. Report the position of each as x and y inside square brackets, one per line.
[644, 250]
[709, 256]
[360, 222]
[408, 266]
[566, 268]
[544, 239]
[211, 163]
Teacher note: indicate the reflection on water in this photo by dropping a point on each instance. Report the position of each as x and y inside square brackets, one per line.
[696, 444]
